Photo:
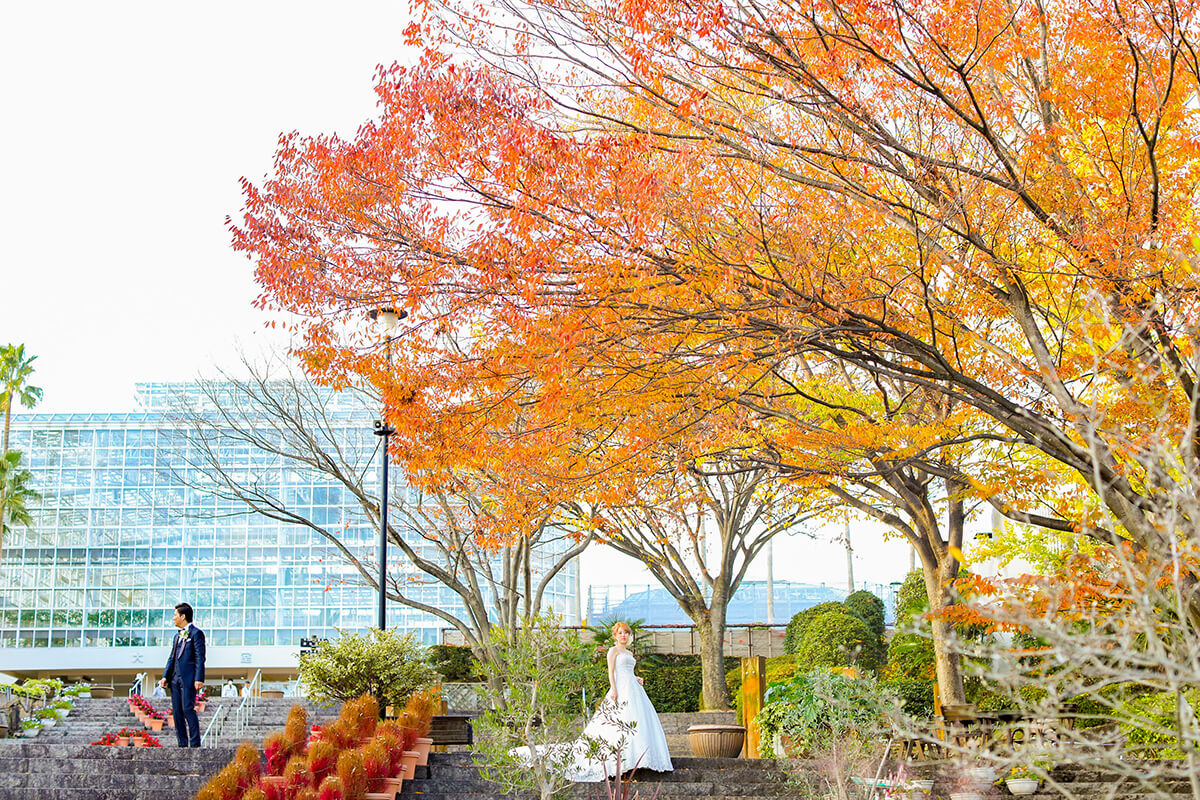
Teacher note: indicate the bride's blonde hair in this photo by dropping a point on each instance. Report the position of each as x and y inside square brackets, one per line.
[622, 626]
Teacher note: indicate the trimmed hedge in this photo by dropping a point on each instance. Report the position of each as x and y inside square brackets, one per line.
[453, 662]
[838, 639]
[869, 609]
[802, 619]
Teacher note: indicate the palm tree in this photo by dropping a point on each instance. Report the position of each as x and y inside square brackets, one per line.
[15, 370]
[18, 495]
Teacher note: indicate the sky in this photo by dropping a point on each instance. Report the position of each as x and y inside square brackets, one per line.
[127, 128]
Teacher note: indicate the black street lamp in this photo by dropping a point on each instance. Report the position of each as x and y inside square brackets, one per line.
[385, 319]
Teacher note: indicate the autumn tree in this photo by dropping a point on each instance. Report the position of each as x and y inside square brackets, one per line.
[697, 530]
[636, 215]
[441, 535]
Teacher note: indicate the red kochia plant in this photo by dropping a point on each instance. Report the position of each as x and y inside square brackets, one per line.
[295, 730]
[341, 734]
[422, 705]
[366, 715]
[322, 759]
[271, 791]
[296, 775]
[352, 774]
[330, 789]
[254, 793]
[392, 736]
[377, 764]
[411, 727]
[306, 793]
[248, 769]
[277, 752]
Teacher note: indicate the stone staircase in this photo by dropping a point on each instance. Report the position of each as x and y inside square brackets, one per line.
[92, 718]
[35, 770]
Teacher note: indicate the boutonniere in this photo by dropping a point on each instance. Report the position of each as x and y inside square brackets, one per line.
[185, 634]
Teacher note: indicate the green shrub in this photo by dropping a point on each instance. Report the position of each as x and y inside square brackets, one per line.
[869, 609]
[916, 695]
[799, 623]
[386, 664]
[838, 639]
[1150, 725]
[453, 662]
[817, 707]
[910, 655]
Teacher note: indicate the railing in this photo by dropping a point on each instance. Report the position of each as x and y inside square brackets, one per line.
[225, 725]
[216, 727]
[139, 681]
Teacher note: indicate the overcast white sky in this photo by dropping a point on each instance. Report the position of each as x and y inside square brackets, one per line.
[126, 128]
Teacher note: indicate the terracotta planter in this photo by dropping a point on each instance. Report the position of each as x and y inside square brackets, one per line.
[423, 746]
[155, 724]
[716, 741]
[278, 780]
[380, 796]
[201, 706]
[408, 762]
[138, 742]
[122, 741]
[393, 784]
[102, 692]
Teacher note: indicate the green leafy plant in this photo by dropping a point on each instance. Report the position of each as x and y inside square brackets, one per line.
[530, 690]
[385, 664]
[816, 708]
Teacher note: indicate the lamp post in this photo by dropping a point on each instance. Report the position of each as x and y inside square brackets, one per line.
[385, 319]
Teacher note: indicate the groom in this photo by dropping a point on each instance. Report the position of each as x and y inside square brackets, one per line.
[185, 674]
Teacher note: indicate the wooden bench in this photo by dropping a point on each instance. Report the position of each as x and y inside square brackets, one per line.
[452, 729]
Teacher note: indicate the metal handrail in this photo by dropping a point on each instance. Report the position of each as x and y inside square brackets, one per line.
[139, 681]
[216, 725]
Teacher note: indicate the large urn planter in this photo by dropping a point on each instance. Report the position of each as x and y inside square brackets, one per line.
[716, 741]
[276, 694]
[102, 692]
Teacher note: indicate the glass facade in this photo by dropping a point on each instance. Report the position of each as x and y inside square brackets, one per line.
[122, 533]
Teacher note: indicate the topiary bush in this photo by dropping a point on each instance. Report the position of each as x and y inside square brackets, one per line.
[799, 623]
[869, 609]
[818, 707]
[838, 639]
[386, 664]
[915, 695]
[455, 663]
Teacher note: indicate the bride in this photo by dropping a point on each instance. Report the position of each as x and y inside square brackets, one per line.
[625, 732]
[626, 723]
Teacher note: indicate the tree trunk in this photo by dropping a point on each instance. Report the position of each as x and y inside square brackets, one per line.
[947, 662]
[715, 693]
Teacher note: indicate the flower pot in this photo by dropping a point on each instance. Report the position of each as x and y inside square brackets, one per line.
[980, 777]
[271, 693]
[102, 692]
[379, 796]
[716, 741]
[408, 762]
[200, 707]
[1022, 785]
[423, 746]
[971, 795]
[277, 780]
[393, 784]
[919, 789]
[155, 724]
[122, 741]
[48, 722]
[138, 742]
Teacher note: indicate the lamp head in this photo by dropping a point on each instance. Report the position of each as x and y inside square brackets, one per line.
[386, 318]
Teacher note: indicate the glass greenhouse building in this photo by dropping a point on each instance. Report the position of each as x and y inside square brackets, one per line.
[123, 532]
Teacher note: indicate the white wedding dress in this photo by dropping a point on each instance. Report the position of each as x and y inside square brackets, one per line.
[630, 727]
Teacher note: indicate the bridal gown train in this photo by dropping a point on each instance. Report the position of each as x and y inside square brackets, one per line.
[632, 725]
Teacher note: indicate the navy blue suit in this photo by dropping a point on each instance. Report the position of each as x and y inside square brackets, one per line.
[185, 666]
